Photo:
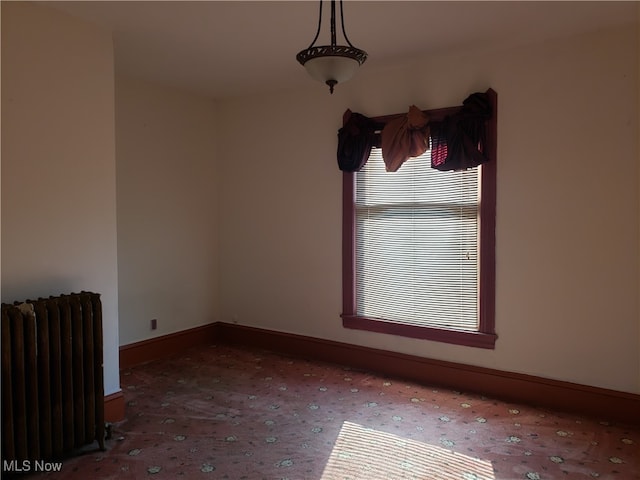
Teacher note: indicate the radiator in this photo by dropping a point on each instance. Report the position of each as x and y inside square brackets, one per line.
[52, 377]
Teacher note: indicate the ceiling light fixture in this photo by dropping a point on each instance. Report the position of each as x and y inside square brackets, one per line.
[331, 64]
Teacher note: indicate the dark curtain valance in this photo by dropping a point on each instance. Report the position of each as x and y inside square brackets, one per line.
[457, 140]
[355, 140]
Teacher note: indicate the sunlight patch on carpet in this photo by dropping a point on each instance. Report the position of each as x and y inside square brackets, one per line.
[367, 454]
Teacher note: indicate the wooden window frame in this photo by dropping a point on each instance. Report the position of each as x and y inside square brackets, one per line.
[485, 336]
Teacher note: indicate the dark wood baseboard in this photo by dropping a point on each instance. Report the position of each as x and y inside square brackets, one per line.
[114, 407]
[603, 404]
[166, 345]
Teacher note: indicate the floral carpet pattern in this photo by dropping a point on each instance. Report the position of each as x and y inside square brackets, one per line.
[224, 412]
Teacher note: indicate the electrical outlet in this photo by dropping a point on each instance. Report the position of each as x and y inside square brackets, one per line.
[154, 324]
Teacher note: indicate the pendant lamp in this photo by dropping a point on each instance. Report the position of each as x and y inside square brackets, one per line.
[332, 64]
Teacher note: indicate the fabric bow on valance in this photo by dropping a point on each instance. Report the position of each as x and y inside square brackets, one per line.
[457, 141]
[405, 137]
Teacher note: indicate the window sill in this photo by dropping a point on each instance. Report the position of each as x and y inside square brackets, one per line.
[468, 339]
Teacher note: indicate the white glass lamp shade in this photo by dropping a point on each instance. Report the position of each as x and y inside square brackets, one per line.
[332, 68]
[331, 64]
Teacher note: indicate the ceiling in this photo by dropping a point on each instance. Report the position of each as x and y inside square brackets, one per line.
[227, 48]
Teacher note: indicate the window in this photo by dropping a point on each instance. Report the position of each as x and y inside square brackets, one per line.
[419, 251]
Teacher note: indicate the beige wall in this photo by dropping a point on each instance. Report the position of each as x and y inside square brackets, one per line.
[567, 213]
[167, 209]
[58, 163]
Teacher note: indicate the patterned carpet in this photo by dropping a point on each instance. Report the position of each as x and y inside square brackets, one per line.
[225, 412]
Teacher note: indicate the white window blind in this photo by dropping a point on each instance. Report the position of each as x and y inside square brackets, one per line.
[417, 259]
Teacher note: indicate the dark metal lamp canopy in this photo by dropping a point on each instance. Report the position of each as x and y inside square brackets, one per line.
[331, 64]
